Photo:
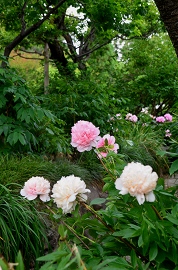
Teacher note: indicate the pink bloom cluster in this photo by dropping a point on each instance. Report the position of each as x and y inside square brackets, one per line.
[84, 135]
[131, 117]
[168, 133]
[106, 144]
[162, 119]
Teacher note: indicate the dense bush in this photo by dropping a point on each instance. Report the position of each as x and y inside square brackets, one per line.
[24, 124]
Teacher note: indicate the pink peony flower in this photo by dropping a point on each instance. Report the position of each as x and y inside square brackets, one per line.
[36, 186]
[160, 119]
[137, 180]
[128, 116]
[84, 135]
[168, 117]
[67, 190]
[107, 143]
[133, 118]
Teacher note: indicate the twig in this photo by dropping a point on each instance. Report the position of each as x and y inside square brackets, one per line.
[157, 213]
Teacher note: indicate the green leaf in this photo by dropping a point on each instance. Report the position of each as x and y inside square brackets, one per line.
[174, 167]
[3, 265]
[173, 253]
[175, 210]
[153, 251]
[1, 130]
[126, 233]
[133, 258]
[54, 256]
[107, 187]
[173, 231]
[62, 232]
[49, 131]
[65, 262]
[105, 262]
[15, 136]
[97, 201]
[19, 260]
[22, 139]
[150, 212]
[48, 266]
[172, 219]
[92, 262]
[6, 129]
[161, 153]
[19, 96]
[40, 114]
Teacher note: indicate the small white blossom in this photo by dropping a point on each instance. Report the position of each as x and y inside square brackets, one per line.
[139, 181]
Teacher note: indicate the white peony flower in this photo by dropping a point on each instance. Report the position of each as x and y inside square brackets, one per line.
[137, 180]
[67, 190]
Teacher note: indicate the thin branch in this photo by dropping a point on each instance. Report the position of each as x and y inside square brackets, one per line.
[32, 58]
[30, 52]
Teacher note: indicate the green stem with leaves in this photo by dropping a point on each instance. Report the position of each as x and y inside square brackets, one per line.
[127, 243]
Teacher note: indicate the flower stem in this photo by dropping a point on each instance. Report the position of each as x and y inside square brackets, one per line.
[74, 232]
[107, 170]
[157, 213]
[77, 254]
[71, 229]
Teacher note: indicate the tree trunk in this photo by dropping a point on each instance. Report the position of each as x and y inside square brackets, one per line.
[168, 10]
[46, 68]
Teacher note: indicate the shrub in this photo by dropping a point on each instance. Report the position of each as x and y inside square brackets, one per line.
[23, 121]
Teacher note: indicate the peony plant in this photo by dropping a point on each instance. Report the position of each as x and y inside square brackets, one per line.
[135, 226]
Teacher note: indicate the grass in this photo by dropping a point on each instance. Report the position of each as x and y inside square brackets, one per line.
[21, 227]
[14, 169]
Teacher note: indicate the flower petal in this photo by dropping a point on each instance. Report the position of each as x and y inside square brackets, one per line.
[118, 184]
[44, 197]
[150, 197]
[140, 198]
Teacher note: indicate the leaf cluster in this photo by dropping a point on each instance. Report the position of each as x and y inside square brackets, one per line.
[22, 118]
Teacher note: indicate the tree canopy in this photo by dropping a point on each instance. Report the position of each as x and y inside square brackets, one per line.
[74, 38]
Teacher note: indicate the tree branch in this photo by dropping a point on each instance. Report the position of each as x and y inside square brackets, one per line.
[28, 31]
